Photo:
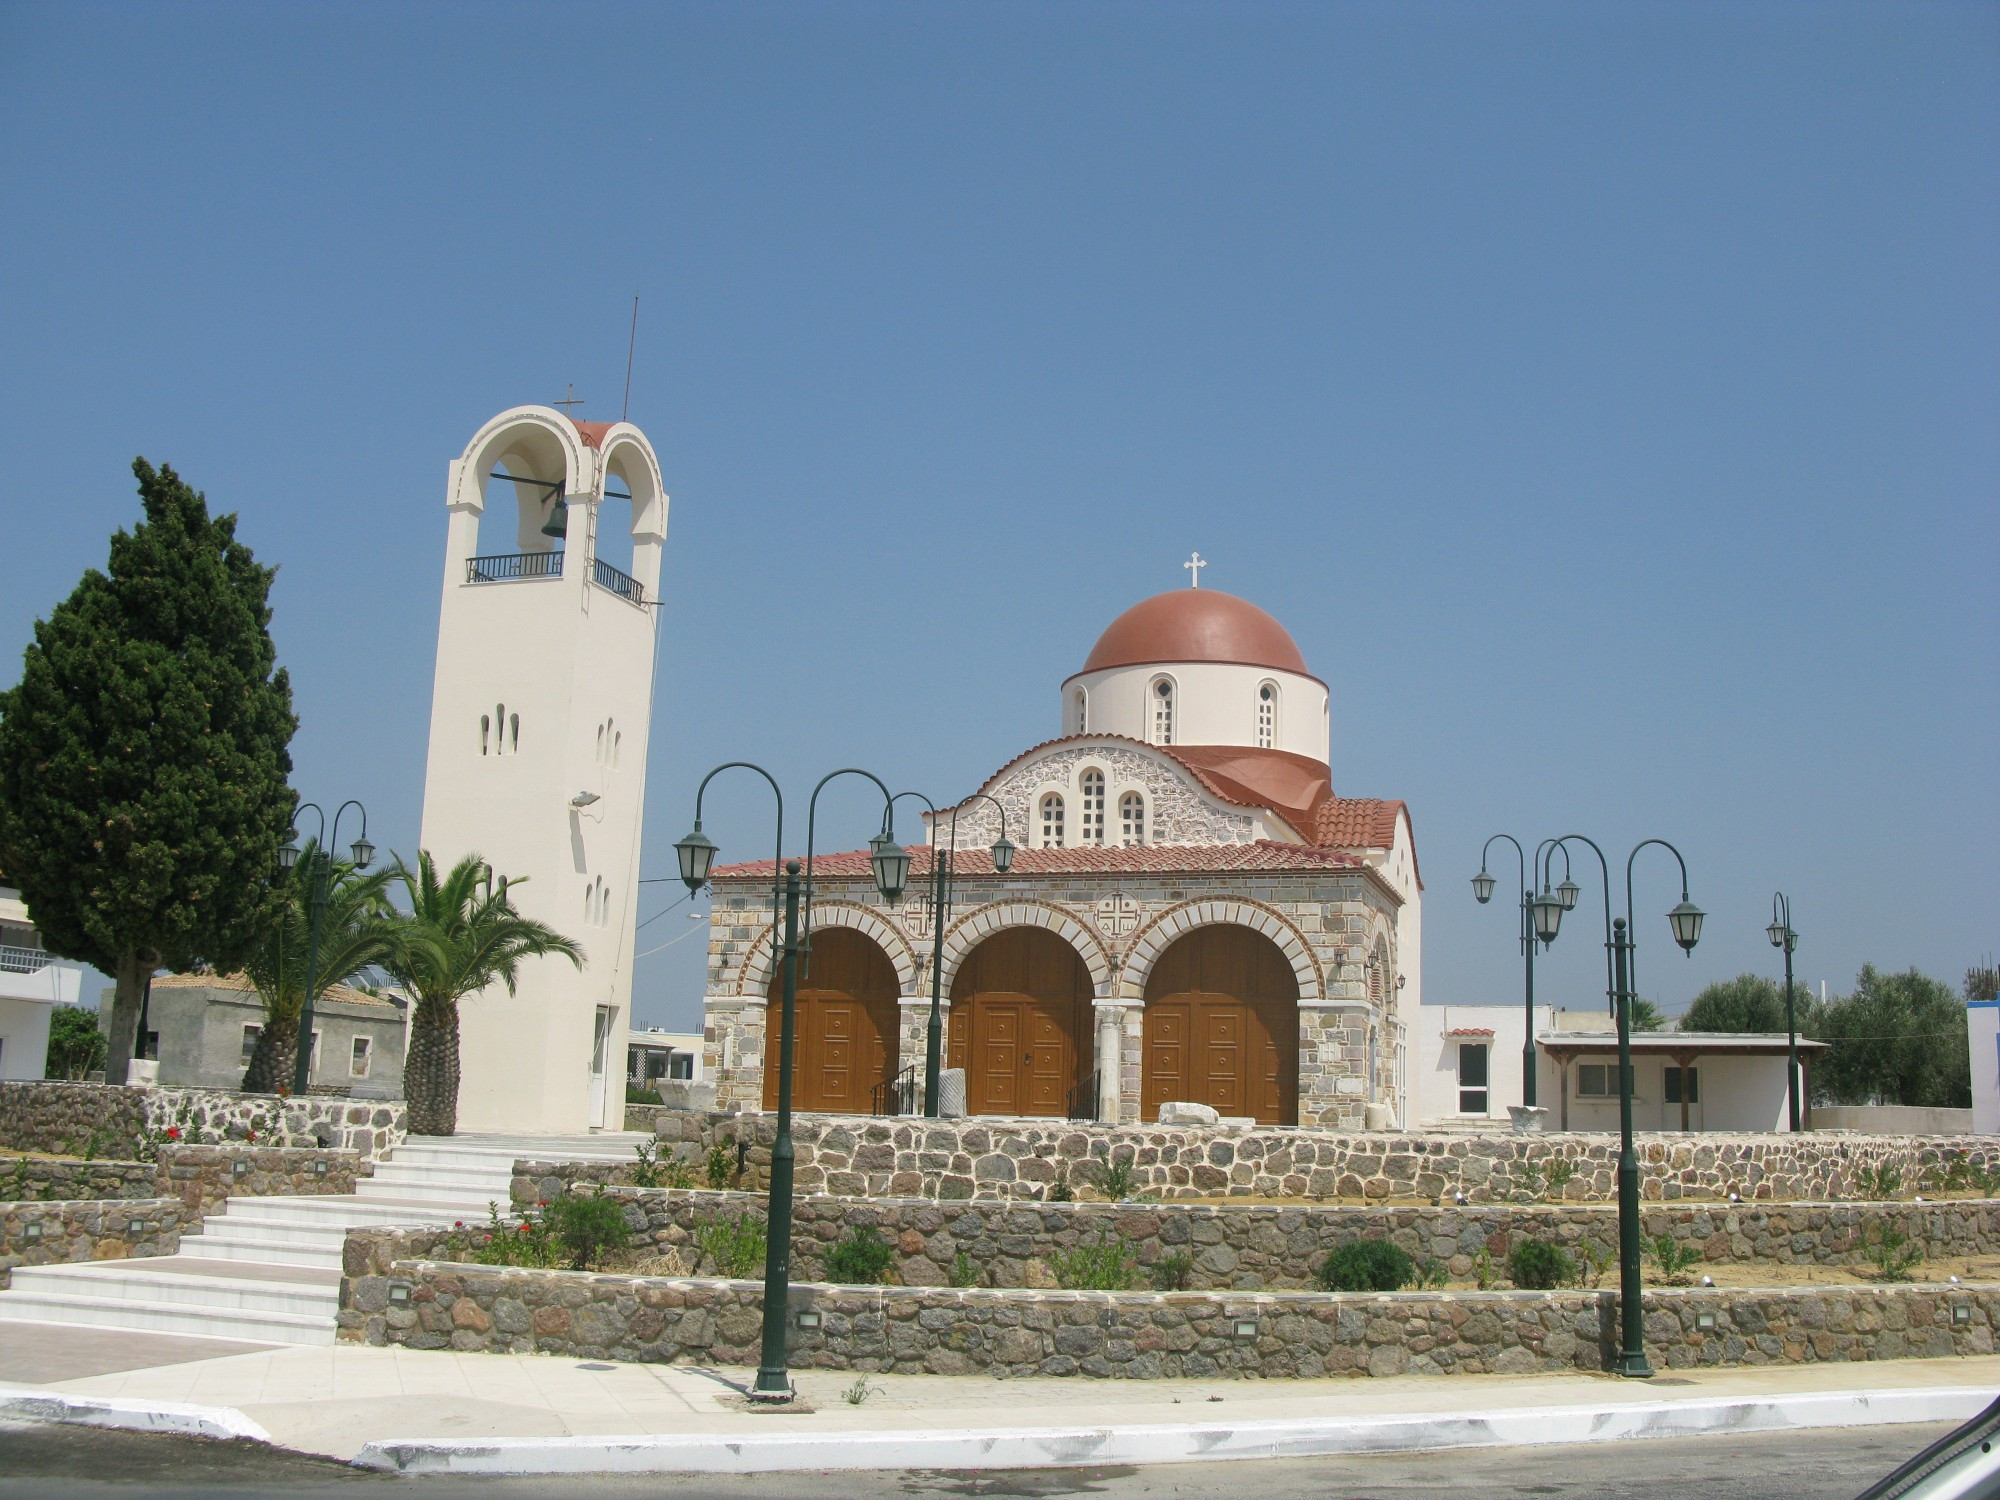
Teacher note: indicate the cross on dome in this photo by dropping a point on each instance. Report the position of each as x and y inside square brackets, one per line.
[1194, 565]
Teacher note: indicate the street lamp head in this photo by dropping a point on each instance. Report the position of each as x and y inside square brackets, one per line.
[1567, 893]
[892, 866]
[1686, 922]
[697, 856]
[1003, 854]
[1776, 933]
[288, 854]
[364, 853]
[1482, 887]
[1548, 911]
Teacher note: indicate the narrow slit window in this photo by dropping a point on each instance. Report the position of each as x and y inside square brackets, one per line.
[514, 735]
[1093, 807]
[1052, 821]
[485, 732]
[500, 728]
[1132, 820]
[1163, 712]
[1267, 716]
[1082, 712]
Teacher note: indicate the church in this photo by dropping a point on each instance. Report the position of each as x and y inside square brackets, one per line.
[1190, 912]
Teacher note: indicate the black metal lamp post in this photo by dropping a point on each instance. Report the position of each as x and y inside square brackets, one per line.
[943, 873]
[1482, 891]
[318, 866]
[1685, 920]
[890, 864]
[1781, 935]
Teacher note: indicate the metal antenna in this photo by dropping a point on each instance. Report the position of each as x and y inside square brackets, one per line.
[630, 345]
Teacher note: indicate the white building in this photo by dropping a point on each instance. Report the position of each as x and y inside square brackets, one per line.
[1192, 915]
[1468, 1072]
[539, 724]
[654, 1054]
[32, 984]
[1982, 1025]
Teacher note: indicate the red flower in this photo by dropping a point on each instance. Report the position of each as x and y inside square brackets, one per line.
[458, 1223]
[250, 1135]
[173, 1132]
[524, 1229]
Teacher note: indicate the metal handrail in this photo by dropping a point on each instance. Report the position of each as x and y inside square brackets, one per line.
[507, 566]
[624, 585]
[1083, 1098]
[894, 1096]
[24, 960]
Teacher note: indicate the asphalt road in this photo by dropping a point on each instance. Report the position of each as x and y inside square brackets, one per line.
[79, 1463]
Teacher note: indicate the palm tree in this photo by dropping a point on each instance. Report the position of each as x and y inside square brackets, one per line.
[357, 931]
[462, 934]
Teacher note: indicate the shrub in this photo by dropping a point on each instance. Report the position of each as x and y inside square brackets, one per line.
[963, 1271]
[1062, 1192]
[1884, 1181]
[1482, 1269]
[1173, 1271]
[1106, 1264]
[1118, 1180]
[654, 1170]
[1562, 1172]
[734, 1247]
[636, 1095]
[586, 1227]
[718, 1166]
[1433, 1275]
[1893, 1253]
[1538, 1266]
[860, 1257]
[1367, 1266]
[1673, 1258]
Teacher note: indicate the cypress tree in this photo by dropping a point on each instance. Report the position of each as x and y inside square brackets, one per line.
[143, 756]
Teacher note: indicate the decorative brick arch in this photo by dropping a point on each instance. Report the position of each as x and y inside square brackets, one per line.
[970, 930]
[754, 977]
[1154, 939]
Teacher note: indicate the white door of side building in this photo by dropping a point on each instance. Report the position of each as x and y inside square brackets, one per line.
[600, 1046]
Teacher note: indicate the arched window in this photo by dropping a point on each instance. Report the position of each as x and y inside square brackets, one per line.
[1163, 712]
[485, 732]
[1082, 712]
[1132, 820]
[1093, 806]
[513, 734]
[1052, 821]
[1267, 715]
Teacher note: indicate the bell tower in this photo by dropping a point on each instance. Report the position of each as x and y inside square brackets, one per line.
[539, 724]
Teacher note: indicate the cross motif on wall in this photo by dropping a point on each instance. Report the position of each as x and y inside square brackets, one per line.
[1194, 565]
[1117, 915]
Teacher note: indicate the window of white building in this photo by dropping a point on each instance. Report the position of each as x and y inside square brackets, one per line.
[1163, 712]
[1052, 821]
[250, 1035]
[1596, 1080]
[1267, 715]
[357, 1062]
[1132, 820]
[1093, 806]
[1674, 1077]
[1472, 1077]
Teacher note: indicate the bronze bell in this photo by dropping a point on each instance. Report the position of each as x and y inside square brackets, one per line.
[557, 525]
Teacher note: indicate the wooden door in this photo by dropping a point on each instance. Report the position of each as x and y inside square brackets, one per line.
[846, 1007]
[1221, 1027]
[1020, 1023]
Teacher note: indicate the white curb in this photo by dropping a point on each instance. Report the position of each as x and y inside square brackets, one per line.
[136, 1416]
[1067, 1447]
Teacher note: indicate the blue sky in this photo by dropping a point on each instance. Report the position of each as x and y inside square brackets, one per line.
[1604, 396]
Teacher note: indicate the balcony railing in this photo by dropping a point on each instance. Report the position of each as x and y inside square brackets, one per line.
[507, 566]
[23, 960]
[624, 585]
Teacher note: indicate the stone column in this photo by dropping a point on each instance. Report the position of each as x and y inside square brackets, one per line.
[1110, 1060]
[913, 1038]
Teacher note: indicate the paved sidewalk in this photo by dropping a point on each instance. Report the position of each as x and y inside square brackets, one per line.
[338, 1400]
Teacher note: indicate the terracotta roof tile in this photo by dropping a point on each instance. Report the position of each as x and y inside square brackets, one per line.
[1149, 858]
[346, 994]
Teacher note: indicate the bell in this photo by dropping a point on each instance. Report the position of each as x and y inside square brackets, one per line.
[557, 525]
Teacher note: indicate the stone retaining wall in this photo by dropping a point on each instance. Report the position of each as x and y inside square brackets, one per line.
[1255, 1248]
[98, 1119]
[1021, 1161]
[1144, 1335]
[205, 1177]
[49, 1180]
[41, 1234]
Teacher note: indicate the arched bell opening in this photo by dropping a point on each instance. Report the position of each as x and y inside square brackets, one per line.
[631, 519]
[1021, 1025]
[845, 1009]
[1221, 1027]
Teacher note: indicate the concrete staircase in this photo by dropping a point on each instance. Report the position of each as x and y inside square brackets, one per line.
[268, 1269]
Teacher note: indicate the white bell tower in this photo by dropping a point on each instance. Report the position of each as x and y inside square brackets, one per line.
[539, 725]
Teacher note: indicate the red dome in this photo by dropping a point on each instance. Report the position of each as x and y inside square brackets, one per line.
[1196, 625]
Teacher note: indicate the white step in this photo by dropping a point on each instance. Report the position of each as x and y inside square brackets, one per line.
[420, 1195]
[475, 1176]
[21, 1306]
[347, 1212]
[262, 1248]
[144, 1284]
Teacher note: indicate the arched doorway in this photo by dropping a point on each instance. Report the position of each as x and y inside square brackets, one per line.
[846, 1007]
[1020, 1024]
[1221, 1027]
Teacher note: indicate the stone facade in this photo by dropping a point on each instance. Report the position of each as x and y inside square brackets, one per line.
[1336, 927]
[103, 1120]
[1022, 1161]
[43, 1180]
[388, 1298]
[42, 1234]
[205, 1177]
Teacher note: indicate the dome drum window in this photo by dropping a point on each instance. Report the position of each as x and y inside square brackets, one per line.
[1267, 715]
[1163, 711]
